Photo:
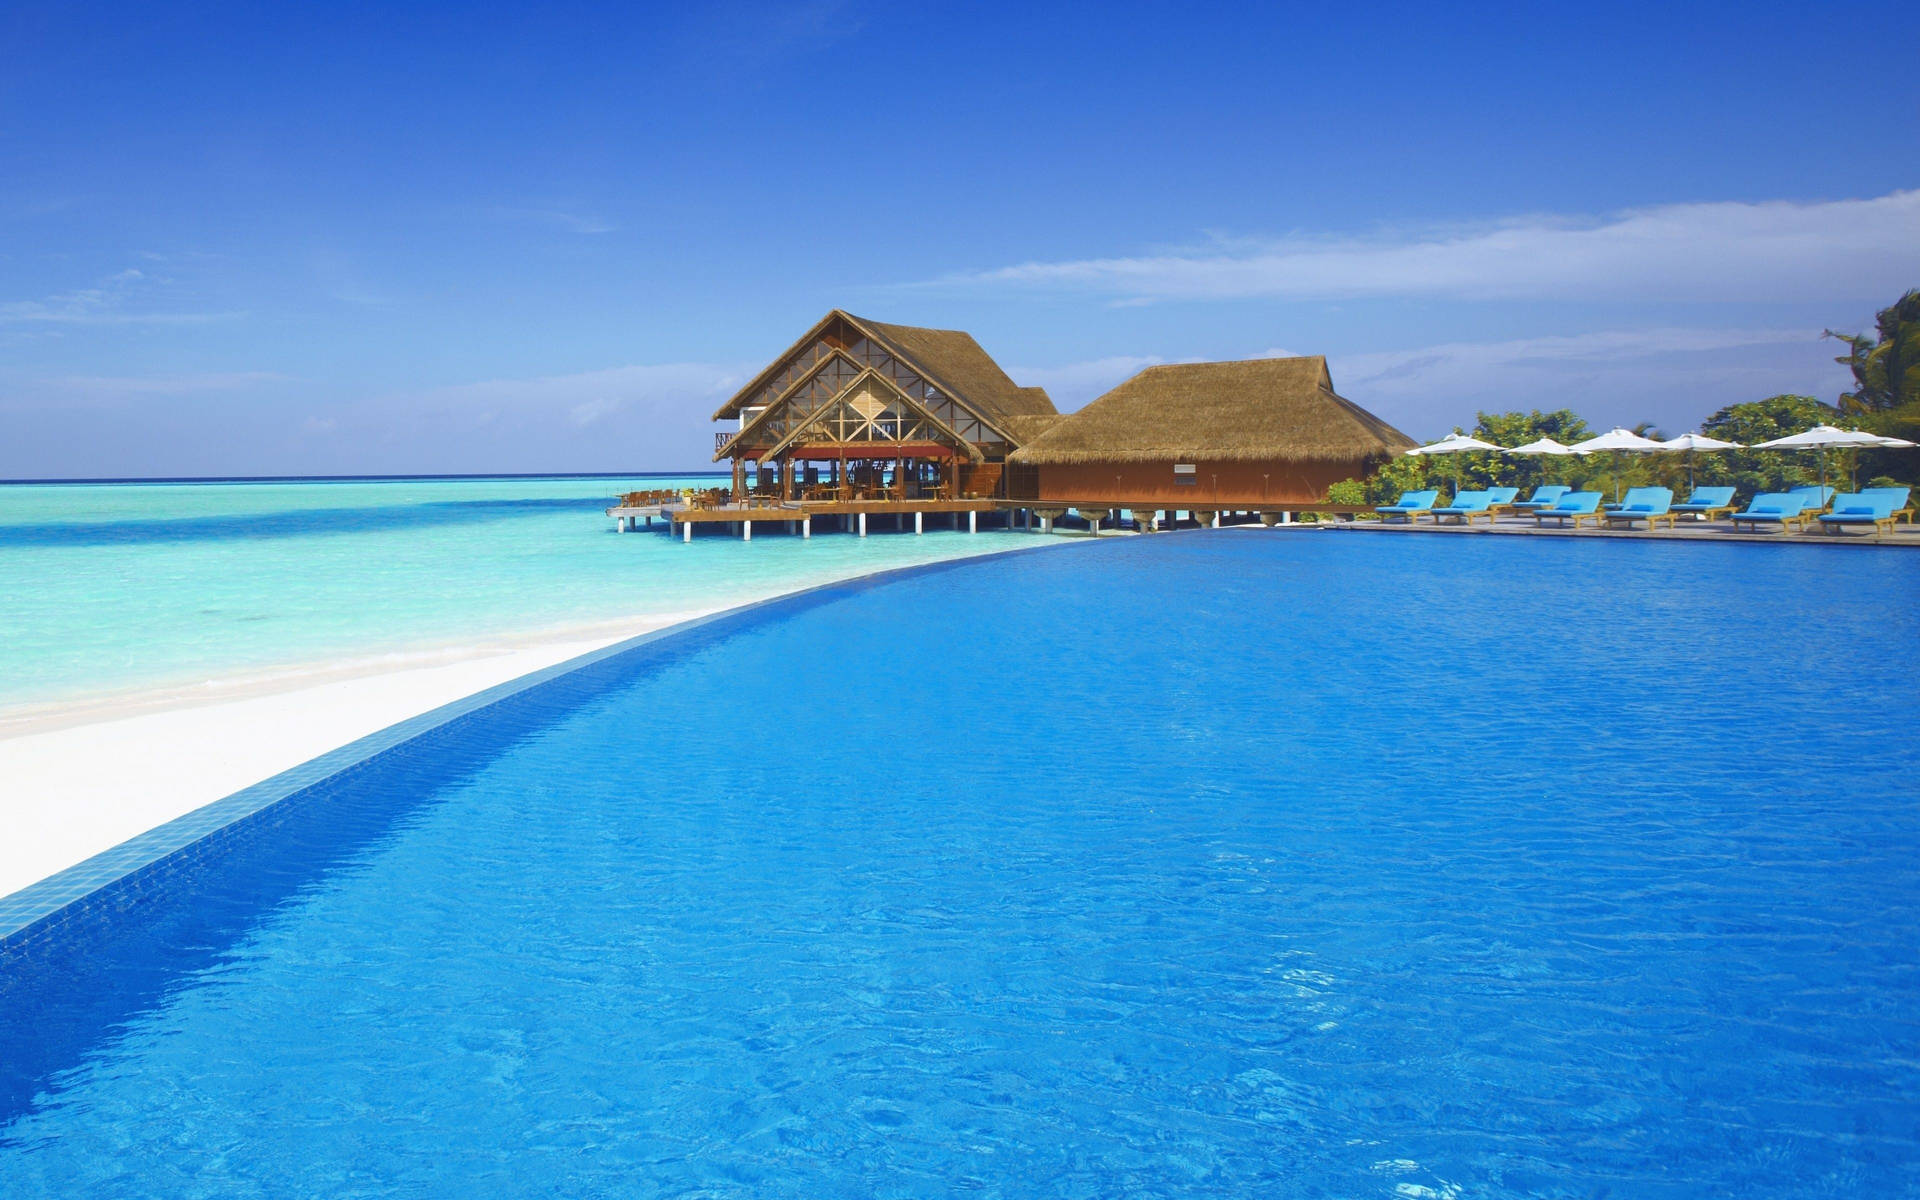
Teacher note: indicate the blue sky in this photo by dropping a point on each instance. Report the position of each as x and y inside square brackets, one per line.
[336, 239]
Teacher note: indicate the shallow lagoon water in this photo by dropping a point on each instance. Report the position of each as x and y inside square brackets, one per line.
[115, 588]
[1220, 863]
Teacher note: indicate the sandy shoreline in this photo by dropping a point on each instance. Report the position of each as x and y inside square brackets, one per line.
[85, 777]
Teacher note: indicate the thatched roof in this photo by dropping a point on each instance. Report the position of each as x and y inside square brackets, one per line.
[1264, 409]
[1024, 429]
[949, 358]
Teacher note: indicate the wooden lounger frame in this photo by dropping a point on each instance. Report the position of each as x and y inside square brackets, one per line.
[1713, 513]
[1563, 518]
[1803, 520]
[1880, 524]
[1652, 519]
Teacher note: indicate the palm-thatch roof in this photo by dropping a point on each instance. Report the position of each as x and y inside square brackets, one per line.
[949, 358]
[1024, 429]
[1263, 409]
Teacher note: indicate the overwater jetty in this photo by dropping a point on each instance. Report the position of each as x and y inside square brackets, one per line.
[637, 512]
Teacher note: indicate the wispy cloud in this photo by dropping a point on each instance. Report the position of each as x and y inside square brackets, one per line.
[735, 40]
[168, 385]
[115, 300]
[1830, 250]
[1672, 376]
[1073, 384]
[554, 218]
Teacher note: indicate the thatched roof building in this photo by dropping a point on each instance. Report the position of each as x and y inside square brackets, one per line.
[867, 402]
[947, 358]
[1260, 410]
[861, 408]
[1243, 434]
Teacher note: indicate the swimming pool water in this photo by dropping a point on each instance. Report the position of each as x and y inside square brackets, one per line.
[1220, 863]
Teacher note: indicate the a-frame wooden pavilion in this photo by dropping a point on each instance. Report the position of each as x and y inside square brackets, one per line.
[861, 410]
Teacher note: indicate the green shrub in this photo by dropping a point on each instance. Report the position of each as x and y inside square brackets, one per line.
[1347, 491]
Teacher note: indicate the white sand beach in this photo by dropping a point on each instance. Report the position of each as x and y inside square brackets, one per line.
[82, 778]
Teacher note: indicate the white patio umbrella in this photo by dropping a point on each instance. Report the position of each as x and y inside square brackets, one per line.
[1824, 438]
[1545, 445]
[1454, 443]
[1690, 442]
[1617, 441]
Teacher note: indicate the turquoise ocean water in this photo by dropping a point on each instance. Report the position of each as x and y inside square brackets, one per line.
[128, 588]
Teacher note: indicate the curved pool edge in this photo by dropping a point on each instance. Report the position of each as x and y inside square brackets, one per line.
[41, 908]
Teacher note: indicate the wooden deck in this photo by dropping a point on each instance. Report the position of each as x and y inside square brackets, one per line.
[799, 515]
[855, 517]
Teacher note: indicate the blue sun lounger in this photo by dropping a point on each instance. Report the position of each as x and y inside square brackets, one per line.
[1708, 503]
[1543, 497]
[1650, 504]
[1862, 509]
[1813, 498]
[1500, 500]
[1411, 503]
[1465, 507]
[1574, 506]
[1902, 507]
[1784, 509]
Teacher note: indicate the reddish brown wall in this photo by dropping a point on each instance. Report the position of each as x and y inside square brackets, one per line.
[1228, 485]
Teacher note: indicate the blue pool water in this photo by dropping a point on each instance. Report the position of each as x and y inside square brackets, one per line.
[1319, 864]
[108, 589]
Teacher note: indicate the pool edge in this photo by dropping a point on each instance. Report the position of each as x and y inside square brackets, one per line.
[43, 905]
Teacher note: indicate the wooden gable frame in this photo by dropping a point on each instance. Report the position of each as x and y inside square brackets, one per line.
[786, 396]
[946, 390]
[972, 451]
[733, 406]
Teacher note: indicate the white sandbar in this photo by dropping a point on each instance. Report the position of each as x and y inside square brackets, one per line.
[76, 780]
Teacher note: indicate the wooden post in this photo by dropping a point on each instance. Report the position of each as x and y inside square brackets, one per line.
[686, 531]
[806, 528]
[863, 524]
[746, 531]
[973, 522]
[916, 524]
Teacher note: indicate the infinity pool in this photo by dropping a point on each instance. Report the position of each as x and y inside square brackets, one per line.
[1224, 863]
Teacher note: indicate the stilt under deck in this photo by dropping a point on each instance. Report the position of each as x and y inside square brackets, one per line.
[854, 516]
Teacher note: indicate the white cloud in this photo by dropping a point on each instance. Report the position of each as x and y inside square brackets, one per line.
[1674, 377]
[1731, 251]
